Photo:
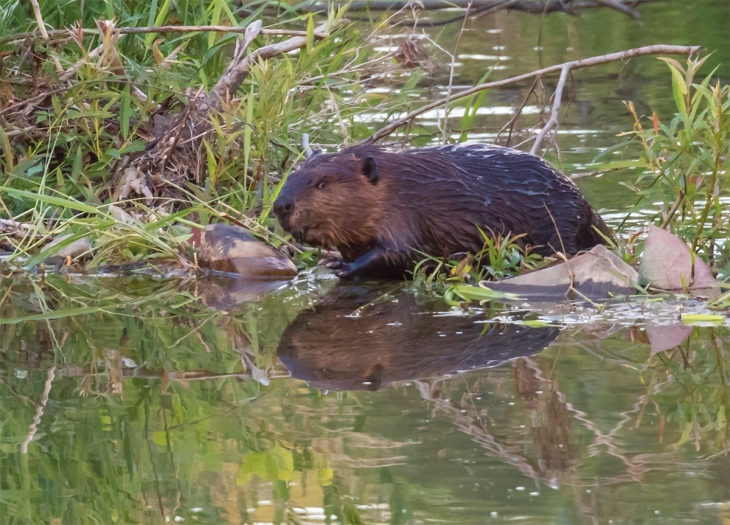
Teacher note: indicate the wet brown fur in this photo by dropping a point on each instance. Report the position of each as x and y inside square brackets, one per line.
[366, 201]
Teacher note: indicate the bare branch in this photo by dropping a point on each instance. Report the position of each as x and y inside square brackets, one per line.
[659, 49]
[240, 66]
[553, 120]
[56, 33]
[530, 6]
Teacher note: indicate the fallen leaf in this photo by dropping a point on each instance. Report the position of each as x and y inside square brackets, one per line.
[667, 263]
[595, 274]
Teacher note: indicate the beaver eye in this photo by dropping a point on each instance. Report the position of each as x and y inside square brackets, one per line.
[321, 185]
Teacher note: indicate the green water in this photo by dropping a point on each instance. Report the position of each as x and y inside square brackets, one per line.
[150, 399]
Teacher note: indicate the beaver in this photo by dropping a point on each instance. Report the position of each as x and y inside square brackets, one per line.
[382, 210]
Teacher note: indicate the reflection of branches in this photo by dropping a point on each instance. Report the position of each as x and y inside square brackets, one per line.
[477, 431]
[39, 410]
[169, 375]
[550, 441]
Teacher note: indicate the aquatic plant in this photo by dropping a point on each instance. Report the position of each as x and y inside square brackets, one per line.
[683, 166]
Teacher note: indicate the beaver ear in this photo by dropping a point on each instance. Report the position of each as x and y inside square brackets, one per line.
[370, 170]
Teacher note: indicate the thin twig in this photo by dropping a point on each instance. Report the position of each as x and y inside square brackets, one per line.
[158, 29]
[39, 411]
[516, 115]
[451, 73]
[659, 49]
[557, 99]
[673, 210]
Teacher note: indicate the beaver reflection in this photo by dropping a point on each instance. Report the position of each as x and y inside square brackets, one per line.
[359, 338]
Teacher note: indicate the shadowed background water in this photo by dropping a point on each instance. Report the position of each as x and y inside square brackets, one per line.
[151, 400]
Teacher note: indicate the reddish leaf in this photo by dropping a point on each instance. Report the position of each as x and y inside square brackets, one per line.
[667, 263]
[663, 337]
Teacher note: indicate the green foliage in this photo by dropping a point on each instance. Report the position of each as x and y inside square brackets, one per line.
[84, 133]
[684, 163]
[500, 257]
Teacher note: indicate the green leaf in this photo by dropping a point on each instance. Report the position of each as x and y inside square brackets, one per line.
[703, 318]
[677, 71]
[49, 316]
[534, 323]
[215, 18]
[78, 164]
[481, 293]
[310, 34]
[210, 156]
[159, 438]
[125, 111]
[67, 202]
[618, 164]
[159, 19]
[678, 96]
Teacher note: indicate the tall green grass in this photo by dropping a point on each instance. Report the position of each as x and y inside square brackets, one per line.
[62, 154]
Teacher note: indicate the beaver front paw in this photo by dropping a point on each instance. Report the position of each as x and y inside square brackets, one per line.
[333, 263]
[343, 270]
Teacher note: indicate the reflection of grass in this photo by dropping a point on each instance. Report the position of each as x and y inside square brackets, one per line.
[114, 447]
[699, 403]
[167, 324]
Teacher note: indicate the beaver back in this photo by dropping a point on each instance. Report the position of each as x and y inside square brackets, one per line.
[442, 194]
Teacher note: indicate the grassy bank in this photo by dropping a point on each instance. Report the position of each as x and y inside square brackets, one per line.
[109, 128]
[83, 105]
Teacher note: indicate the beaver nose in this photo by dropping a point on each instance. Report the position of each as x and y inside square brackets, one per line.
[283, 208]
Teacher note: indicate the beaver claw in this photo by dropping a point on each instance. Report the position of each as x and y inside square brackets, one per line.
[345, 272]
[342, 269]
[333, 263]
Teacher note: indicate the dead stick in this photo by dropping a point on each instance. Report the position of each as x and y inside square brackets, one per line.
[659, 49]
[236, 73]
[39, 19]
[44, 33]
[553, 120]
[159, 29]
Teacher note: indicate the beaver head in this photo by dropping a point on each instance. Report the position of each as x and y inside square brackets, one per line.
[333, 200]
